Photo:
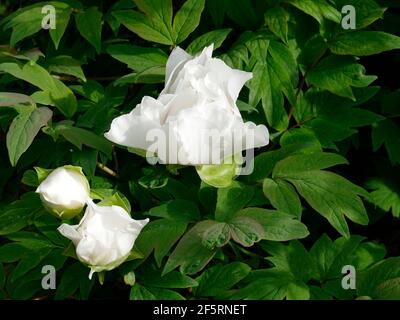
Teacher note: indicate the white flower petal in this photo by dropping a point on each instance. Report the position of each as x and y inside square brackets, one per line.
[70, 232]
[131, 129]
[105, 236]
[176, 59]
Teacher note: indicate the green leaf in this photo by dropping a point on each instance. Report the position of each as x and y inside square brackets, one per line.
[156, 9]
[364, 43]
[18, 214]
[298, 291]
[265, 162]
[277, 226]
[301, 136]
[282, 196]
[26, 287]
[154, 25]
[333, 118]
[66, 65]
[273, 284]
[246, 230]
[292, 258]
[42, 173]
[11, 252]
[30, 240]
[24, 129]
[29, 260]
[230, 200]
[387, 133]
[74, 277]
[78, 137]
[154, 74]
[306, 162]
[154, 178]
[139, 292]
[274, 74]
[187, 19]
[88, 24]
[245, 107]
[160, 235]
[28, 20]
[338, 75]
[330, 257]
[217, 235]
[386, 194]
[332, 196]
[12, 99]
[368, 253]
[152, 278]
[381, 281]
[389, 290]
[117, 199]
[261, 87]
[216, 37]
[215, 280]
[317, 293]
[277, 21]
[318, 9]
[142, 26]
[190, 253]
[368, 11]
[58, 92]
[62, 20]
[24, 22]
[178, 209]
[138, 58]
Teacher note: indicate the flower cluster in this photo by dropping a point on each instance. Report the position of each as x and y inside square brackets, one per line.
[105, 235]
[196, 122]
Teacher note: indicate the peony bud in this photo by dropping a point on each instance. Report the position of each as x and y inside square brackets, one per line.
[64, 192]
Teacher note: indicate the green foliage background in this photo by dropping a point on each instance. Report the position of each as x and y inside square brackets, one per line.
[324, 193]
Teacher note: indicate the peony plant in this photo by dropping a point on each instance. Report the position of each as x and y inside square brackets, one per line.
[199, 149]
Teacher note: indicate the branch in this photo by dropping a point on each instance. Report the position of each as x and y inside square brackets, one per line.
[303, 80]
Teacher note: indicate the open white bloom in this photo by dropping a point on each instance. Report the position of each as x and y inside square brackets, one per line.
[104, 237]
[195, 119]
[65, 191]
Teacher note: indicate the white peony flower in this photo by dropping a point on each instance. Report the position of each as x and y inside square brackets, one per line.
[65, 191]
[104, 237]
[195, 119]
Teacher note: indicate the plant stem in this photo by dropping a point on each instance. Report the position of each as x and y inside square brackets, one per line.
[107, 170]
[303, 80]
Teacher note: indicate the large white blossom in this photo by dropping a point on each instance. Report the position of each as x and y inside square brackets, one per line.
[195, 119]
